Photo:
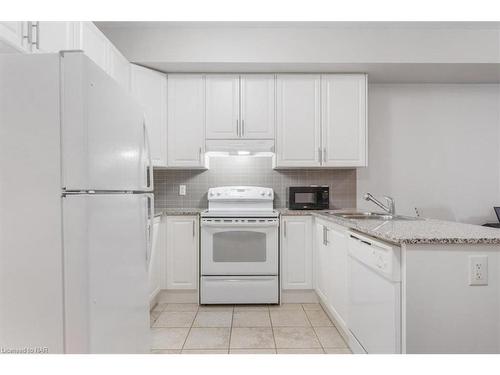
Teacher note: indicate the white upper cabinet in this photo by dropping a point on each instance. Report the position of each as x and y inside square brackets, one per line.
[222, 107]
[119, 67]
[150, 89]
[52, 36]
[343, 117]
[240, 106]
[186, 120]
[257, 106]
[39, 36]
[93, 42]
[298, 138]
[13, 36]
[336, 136]
[296, 252]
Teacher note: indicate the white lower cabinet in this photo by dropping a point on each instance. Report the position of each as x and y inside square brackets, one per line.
[296, 252]
[331, 268]
[182, 252]
[157, 257]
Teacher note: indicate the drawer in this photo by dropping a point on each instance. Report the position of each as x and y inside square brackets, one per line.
[239, 289]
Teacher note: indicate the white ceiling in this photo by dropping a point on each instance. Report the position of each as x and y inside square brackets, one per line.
[305, 24]
[390, 52]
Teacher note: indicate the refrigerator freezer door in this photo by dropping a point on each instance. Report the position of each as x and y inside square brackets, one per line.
[104, 137]
[105, 272]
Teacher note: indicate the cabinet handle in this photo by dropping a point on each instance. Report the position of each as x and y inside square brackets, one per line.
[325, 235]
[200, 151]
[284, 228]
[324, 154]
[29, 35]
[194, 231]
[37, 26]
[242, 128]
[319, 154]
[238, 128]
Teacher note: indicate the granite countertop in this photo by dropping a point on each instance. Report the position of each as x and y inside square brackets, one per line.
[289, 212]
[420, 231]
[178, 211]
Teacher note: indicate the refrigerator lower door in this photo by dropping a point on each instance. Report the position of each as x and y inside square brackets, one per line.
[104, 138]
[106, 249]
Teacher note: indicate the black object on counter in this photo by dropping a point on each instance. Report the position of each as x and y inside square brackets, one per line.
[309, 197]
[492, 225]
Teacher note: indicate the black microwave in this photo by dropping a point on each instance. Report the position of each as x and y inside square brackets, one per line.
[309, 197]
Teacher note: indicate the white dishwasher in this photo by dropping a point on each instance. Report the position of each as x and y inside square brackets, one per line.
[375, 294]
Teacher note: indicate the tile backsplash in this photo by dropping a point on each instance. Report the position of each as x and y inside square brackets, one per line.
[252, 171]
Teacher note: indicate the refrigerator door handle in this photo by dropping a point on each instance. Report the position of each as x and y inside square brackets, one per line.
[149, 168]
[149, 228]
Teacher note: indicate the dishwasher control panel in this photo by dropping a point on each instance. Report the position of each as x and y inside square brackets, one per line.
[377, 255]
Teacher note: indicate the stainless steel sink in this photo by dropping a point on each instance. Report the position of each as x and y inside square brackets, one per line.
[370, 216]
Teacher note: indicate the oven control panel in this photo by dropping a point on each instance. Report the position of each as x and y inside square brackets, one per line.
[240, 193]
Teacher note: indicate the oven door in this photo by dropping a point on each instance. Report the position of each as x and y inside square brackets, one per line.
[239, 246]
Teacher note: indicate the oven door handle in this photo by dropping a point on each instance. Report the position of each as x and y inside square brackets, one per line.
[239, 225]
[235, 279]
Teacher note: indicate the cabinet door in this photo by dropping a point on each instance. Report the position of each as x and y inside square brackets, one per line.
[336, 240]
[12, 35]
[344, 120]
[93, 42]
[119, 67]
[157, 256]
[186, 116]
[222, 107]
[182, 252]
[298, 120]
[150, 89]
[296, 252]
[53, 36]
[257, 106]
[322, 261]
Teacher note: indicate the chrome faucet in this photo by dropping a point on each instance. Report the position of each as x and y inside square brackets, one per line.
[390, 207]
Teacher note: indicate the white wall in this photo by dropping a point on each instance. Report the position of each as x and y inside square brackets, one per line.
[435, 147]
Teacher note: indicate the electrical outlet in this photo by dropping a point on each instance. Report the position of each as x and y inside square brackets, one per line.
[182, 189]
[478, 270]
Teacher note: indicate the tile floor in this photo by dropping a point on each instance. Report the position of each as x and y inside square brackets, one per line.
[179, 328]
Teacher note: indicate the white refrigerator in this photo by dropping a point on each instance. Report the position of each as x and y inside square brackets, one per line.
[76, 209]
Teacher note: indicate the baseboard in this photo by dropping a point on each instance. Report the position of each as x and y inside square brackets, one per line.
[299, 296]
[177, 296]
[191, 296]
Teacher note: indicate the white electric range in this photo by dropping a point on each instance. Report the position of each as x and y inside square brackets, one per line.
[239, 247]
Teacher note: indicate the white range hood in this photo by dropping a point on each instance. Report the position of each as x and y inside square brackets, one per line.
[256, 147]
